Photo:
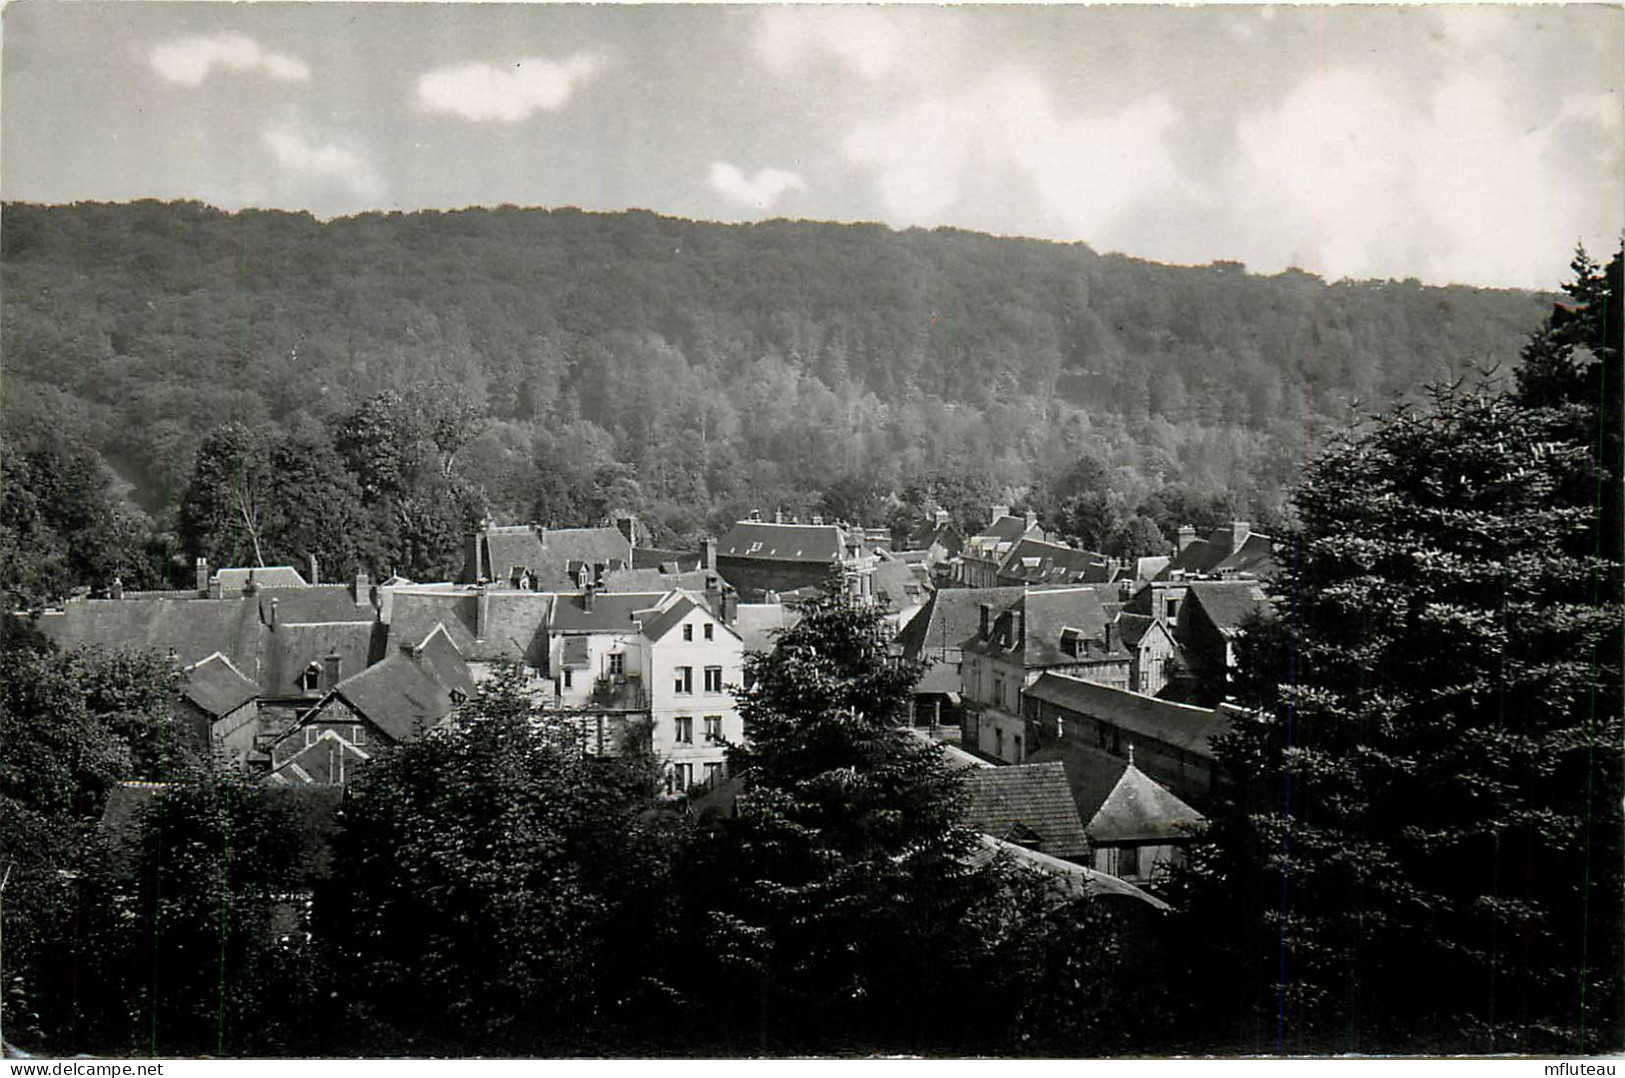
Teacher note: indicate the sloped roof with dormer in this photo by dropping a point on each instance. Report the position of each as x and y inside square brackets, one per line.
[1036, 561]
[1031, 800]
[292, 648]
[546, 552]
[1031, 630]
[620, 612]
[1232, 549]
[811, 543]
[516, 621]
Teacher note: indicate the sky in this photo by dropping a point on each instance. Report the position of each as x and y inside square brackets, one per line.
[1471, 144]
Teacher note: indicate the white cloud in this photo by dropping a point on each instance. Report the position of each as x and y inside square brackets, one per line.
[484, 92]
[326, 162]
[760, 192]
[1351, 178]
[869, 41]
[1087, 170]
[189, 60]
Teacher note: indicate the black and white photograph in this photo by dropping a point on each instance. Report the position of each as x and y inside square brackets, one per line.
[705, 532]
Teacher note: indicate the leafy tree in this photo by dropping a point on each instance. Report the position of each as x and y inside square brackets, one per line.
[481, 885]
[838, 909]
[1424, 852]
[223, 514]
[72, 725]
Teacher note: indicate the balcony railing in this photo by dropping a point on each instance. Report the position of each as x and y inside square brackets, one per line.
[619, 693]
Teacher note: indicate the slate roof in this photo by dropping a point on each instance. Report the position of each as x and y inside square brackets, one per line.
[896, 586]
[1228, 604]
[610, 613]
[1036, 561]
[1091, 773]
[1150, 568]
[193, 629]
[405, 695]
[1221, 552]
[217, 687]
[1183, 726]
[815, 543]
[627, 580]
[234, 580]
[290, 649]
[757, 622]
[687, 561]
[546, 552]
[1007, 529]
[327, 761]
[1047, 613]
[1133, 627]
[317, 602]
[1031, 799]
[515, 631]
[951, 617]
[1138, 809]
[1077, 881]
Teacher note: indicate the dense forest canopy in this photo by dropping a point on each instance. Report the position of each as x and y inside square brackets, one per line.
[693, 371]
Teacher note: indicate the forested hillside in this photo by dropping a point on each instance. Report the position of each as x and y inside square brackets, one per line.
[693, 371]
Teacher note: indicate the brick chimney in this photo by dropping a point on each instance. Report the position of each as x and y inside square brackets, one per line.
[778, 516]
[587, 595]
[203, 574]
[363, 588]
[1032, 519]
[315, 573]
[713, 593]
[1187, 536]
[476, 557]
[997, 511]
[215, 589]
[730, 606]
[1239, 531]
[117, 590]
[708, 554]
[942, 518]
[482, 611]
[1109, 634]
[332, 669]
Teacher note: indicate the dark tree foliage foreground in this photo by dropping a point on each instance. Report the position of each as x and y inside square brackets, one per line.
[488, 889]
[1424, 853]
[837, 911]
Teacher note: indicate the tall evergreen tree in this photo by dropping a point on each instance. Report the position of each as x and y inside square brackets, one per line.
[1424, 852]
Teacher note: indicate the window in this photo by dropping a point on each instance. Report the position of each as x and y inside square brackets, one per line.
[685, 729]
[1128, 861]
[713, 774]
[617, 663]
[682, 777]
[310, 736]
[713, 679]
[311, 678]
[566, 678]
[1170, 608]
[1017, 747]
[358, 736]
[998, 742]
[685, 679]
[710, 631]
[688, 634]
[998, 691]
[713, 728]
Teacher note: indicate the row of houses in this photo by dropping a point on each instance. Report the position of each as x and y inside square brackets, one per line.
[1111, 689]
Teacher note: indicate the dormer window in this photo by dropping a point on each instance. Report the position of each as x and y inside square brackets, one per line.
[311, 679]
